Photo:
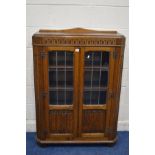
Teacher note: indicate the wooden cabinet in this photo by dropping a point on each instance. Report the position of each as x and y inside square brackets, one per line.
[77, 74]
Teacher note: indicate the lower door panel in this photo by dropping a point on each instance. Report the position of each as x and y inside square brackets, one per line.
[93, 121]
[61, 124]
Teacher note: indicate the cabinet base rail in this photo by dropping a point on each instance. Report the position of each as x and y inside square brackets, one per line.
[77, 141]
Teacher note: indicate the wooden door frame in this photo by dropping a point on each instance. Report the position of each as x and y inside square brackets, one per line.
[73, 107]
[110, 88]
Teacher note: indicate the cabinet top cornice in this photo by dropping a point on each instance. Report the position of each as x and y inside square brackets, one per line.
[77, 31]
[78, 36]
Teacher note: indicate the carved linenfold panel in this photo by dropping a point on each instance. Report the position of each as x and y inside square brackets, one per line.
[47, 41]
[93, 121]
[61, 121]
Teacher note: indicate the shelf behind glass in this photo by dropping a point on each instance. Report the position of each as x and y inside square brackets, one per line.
[63, 67]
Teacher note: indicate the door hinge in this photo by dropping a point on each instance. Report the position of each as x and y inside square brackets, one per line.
[43, 94]
[111, 95]
[43, 54]
[115, 55]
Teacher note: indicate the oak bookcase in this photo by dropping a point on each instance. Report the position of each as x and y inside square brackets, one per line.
[77, 75]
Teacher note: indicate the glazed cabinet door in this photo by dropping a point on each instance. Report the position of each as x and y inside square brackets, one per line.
[61, 87]
[96, 89]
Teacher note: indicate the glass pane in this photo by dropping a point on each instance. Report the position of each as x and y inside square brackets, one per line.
[52, 79]
[94, 97]
[69, 78]
[69, 59]
[88, 59]
[52, 58]
[104, 79]
[60, 58]
[97, 58]
[87, 79]
[53, 97]
[69, 97]
[60, 77]
[61, 97]
[105, 59]
[87, 97]
[102, 97]
[95, 77]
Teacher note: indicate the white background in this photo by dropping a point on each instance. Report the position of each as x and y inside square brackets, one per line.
[13, 77]
[93, 14]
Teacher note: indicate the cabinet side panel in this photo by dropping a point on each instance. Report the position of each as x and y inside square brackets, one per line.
[110, 93]
[116, 89]
[38, 73]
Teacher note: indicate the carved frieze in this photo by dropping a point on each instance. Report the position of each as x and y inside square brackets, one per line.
[51, 41]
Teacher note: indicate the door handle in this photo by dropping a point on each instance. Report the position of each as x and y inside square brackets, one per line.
[77, 50]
